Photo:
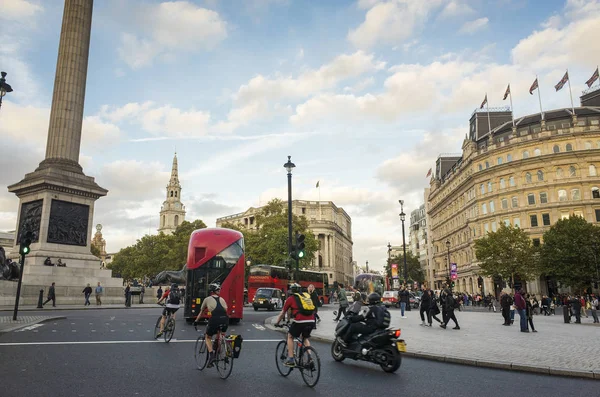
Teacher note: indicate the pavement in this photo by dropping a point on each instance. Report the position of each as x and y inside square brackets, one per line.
[482, 341]
[112, 352]
[7, 324]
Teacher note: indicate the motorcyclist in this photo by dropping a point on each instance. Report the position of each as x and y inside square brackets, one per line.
[357, 305]
[366, 323]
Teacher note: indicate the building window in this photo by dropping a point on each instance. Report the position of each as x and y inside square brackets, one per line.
[489, 187]
[508, 158]
[569, 147]
[484, 208]
[546, 219]
[578, 213]
[543, 198]
[533, 220]
[562, 195]
[515, 202]
[587, 145]
[175, 193]
[504, 204]
[559, 173]
[482, 188]
[540, 175]
[537, 152]
[502, 183]
[556, 149]
[575, 195]
[592, 170]
[528, 177]
[480, 167]
[526, 154]
[517, 222]
[564, 215]
[511, 181]
[176, 220]
[536, 242]
[531, 199]
[492, 206]
[506, 222]
[572, 171]
[487, 165]
[303, 210]
[486, 227]
[499, 160]
[171, 193]
[597, 215]
[494, 228]
[595, 192]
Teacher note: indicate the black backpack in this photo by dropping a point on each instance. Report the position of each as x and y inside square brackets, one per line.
[382, 317]
[174, 297]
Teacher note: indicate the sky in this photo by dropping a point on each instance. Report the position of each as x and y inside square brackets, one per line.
[364, 95]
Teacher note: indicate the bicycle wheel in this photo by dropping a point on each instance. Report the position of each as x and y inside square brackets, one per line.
[280, 357]
[200, 353]
[157, 327]
[169, 329]
[310, 366]
[224, 359]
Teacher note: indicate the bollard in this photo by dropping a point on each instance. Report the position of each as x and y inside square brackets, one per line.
[41, 299]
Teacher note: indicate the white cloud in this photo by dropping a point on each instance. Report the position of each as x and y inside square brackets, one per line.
[474, 26]
[456, 8]
[17, 9]
[361, 85]
[390, 22]
[171, 27]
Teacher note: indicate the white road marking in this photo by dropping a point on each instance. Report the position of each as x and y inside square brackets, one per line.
[112, 330]
[29, 328]
[53, 330]
[115, 342]
[259, 327]
[130, 330]
[112, 318]
[72, 323]
[73, 330]
[93, 330]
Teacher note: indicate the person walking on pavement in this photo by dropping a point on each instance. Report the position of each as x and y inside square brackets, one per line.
[128, 296]
[99, 292]
[404, 300]
[51, 296]
[576, 308]
[424, 309]
[315, 300]
[505, 302]
[87, 291]
[594, 308]
[142, 292]
[434, 310]
[521, 307]
[530, 308]
[159, 292]
[448, 309]
[343, 301]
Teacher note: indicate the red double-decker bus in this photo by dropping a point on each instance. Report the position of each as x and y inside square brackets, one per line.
[267, 276]
[215, 255]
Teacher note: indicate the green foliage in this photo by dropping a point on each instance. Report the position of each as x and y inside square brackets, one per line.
[95, 251]
[269, 243]
[154, 253]
[570, 252]
[507, 252]
[414, 269]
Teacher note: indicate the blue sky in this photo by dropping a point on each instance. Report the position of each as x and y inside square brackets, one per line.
[363, 95]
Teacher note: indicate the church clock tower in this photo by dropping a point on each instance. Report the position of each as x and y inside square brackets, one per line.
[172, 212]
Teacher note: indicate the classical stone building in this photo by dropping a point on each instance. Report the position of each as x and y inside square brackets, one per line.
[329, 223]
[529, 175]
[172, 212]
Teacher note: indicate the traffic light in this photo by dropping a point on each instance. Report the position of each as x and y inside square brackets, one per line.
[452, 284]
[300, 245]
[25, 243]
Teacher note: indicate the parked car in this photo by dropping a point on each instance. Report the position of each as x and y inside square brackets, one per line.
[268, 298]
[391, 298]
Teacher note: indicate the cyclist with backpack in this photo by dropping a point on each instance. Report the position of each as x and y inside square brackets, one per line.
[303, 319]
[218, 321]
[172, 299]
[376, 317]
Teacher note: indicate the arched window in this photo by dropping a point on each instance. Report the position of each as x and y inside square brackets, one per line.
[499, 160]
[511, 181]
[575, 195]
[482, 188]
[526, 154]
[528, 177]
[171, 193]
[480, 167]
[562, 195]
[515, 202]
[163, 220]
[556, 149]
[572, 171]
[509, 157]
[176, 220]
[559, 173]
[540, 175]
[595, 193]
[537, 152]
[487, 165]
[569, 147]
[502, 183]
[587, 145]
[489, 187]
[592, 169]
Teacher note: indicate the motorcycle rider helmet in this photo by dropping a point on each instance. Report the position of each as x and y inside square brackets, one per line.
[214, 287]
[357, 297]
[295, 288]
[374, 298]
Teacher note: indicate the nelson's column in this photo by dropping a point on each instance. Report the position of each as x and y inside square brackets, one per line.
[56, 201]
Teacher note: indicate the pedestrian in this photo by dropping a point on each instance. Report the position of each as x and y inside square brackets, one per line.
[594, 308]
[505, 303]
[434, 310]
[142, 292]
[529, 304]
[128, 295]
[343, 301]
[448, 306]
[576, 309]
[424, 308]
[404, 300]
[159, 292]
[87, 291]
[521, 307]
[51, 296]
[99, 292]
[315, 300]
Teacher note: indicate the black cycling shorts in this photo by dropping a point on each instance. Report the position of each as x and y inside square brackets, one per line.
[304, 329]
[213, 327]
[170, 310]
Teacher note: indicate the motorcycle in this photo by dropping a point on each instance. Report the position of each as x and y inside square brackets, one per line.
[383, 347]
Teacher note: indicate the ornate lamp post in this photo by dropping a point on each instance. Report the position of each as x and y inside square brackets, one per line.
[389, 246]
[403, 218]
[289, 166]
[449, 281]
[4, 88]
[367, 266]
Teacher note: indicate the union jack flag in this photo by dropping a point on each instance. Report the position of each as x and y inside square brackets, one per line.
[484, 102]
[562, 82]
[506, 93]
[533, 87]
[592, 79]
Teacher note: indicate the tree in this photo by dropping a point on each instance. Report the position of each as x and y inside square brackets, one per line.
[570, 252]
[414, 269]
[95, 251]
[507, 253]
[269, 243]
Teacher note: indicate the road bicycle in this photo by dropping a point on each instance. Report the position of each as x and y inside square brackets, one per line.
[306, 359]
[168, 330]
[224, 352]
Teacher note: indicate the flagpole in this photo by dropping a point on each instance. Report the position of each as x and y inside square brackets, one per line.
[570, 93]
[512, 111]
[487, 105]
[320, 214]
[539, 97]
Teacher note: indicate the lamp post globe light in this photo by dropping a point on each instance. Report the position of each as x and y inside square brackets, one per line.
[289, 166]
[403, 218]
[449, 280]
[4, 88]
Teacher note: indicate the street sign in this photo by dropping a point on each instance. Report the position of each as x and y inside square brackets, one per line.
[453, 271]
[396, 283]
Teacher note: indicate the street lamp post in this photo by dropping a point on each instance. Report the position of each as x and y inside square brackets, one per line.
[449, 281]
[402, 218]
[367, 266]
[4, 88]
[289, 166]
[389, 246]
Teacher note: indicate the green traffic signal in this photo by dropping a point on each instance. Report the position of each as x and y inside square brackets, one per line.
[300, 245]
[25, 243]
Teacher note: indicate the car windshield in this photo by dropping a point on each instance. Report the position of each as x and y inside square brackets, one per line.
[264, 293]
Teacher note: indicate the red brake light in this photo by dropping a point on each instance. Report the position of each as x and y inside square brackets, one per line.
[397, 333]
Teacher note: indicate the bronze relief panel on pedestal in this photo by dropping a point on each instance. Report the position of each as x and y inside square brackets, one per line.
[30, 219]
[68, 223]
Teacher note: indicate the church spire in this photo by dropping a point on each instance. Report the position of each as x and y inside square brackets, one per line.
[172, 212]
[174, 181]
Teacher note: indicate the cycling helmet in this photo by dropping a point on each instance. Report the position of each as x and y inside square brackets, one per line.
[374, 298]
[295, 288]
[215, 287]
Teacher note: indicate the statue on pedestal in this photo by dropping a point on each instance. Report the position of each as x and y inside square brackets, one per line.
[9, 270]
[171, 276]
